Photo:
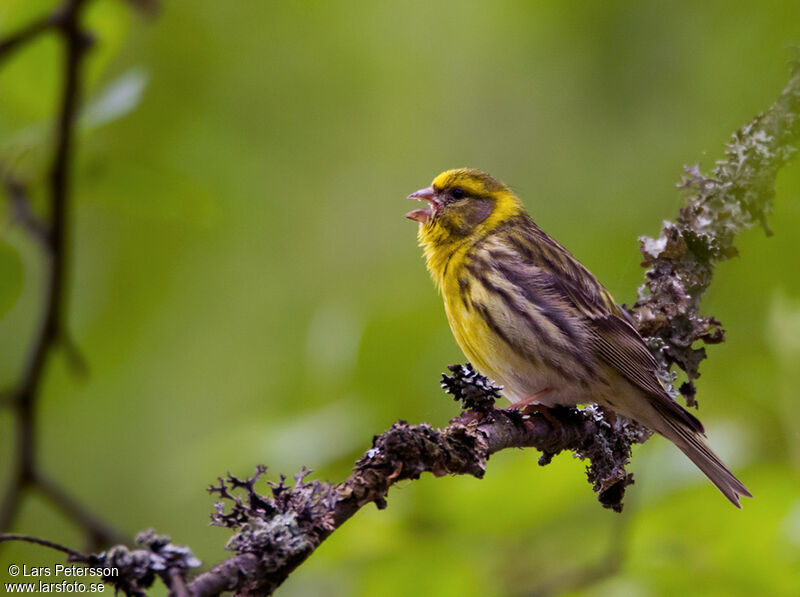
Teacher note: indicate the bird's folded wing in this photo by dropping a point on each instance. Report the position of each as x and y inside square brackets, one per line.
[619, 345]
[616, 343]
[554, 277]
[520, 307]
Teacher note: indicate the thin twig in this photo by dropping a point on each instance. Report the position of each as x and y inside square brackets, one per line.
[76, 360]
[25, 35]
[67, 22]
[74, 555]
[12, 500]
[22, 210]
[98, 532]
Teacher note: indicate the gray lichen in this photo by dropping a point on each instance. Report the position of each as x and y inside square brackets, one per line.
[280, 529]
[738, 194]
[137, 569]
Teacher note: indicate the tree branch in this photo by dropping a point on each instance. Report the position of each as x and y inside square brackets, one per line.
[22, 211]
[736, 195]
[66, 20]
[283, 530]
[75, 555]
[275, 535]
[25, 35]
[132, 571]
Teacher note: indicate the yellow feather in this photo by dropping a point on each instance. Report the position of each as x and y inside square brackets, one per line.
[444, 254]
[527, 314]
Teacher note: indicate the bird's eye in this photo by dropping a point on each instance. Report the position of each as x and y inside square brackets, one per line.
[458, 193]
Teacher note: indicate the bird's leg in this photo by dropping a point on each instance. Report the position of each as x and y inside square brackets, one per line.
[531, 405]
[530, 401]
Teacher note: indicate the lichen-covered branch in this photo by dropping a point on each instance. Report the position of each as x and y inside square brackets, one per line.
[737, 194]
[276, 533]
[131, 571]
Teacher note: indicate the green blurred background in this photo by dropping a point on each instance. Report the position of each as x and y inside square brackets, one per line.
[246, 289]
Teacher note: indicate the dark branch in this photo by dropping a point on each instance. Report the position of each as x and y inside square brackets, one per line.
[74, 555]
[21, 209]
[23, 36]
[98, 532]
[76, 360]
[66, 21]
[177, 583]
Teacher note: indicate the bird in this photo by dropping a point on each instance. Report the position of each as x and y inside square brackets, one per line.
[530, 316]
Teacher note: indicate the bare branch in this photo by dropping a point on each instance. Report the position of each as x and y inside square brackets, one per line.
[75, 555]
[76, 360]
[99, 534]
[21, 208]
[12, 499]
[23, 36]
[66, 20]
[177, 583]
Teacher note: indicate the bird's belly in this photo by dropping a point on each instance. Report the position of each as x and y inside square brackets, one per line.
[492, 356]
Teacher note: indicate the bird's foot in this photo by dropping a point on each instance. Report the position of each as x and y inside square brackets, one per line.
[530, 405]
[532, 400]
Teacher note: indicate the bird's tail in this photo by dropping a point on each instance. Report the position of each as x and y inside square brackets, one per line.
[690, 441]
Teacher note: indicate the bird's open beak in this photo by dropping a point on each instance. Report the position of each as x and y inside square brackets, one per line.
[426, 213]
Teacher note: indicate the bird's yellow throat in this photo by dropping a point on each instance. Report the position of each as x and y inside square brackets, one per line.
[444, 251]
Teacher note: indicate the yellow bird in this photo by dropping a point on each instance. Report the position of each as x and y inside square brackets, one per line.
[530, 316]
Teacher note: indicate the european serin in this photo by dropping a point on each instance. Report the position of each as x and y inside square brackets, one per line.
[530, 316]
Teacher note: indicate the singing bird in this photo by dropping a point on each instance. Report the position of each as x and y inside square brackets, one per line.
[530, 316]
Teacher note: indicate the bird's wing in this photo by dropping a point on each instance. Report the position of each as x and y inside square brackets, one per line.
[612, 338]
[551, 272]
[517, 304]
[545, 268]
[617, 343]
[621, 346]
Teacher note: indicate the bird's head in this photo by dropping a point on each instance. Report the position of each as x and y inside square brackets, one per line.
[462, 203]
